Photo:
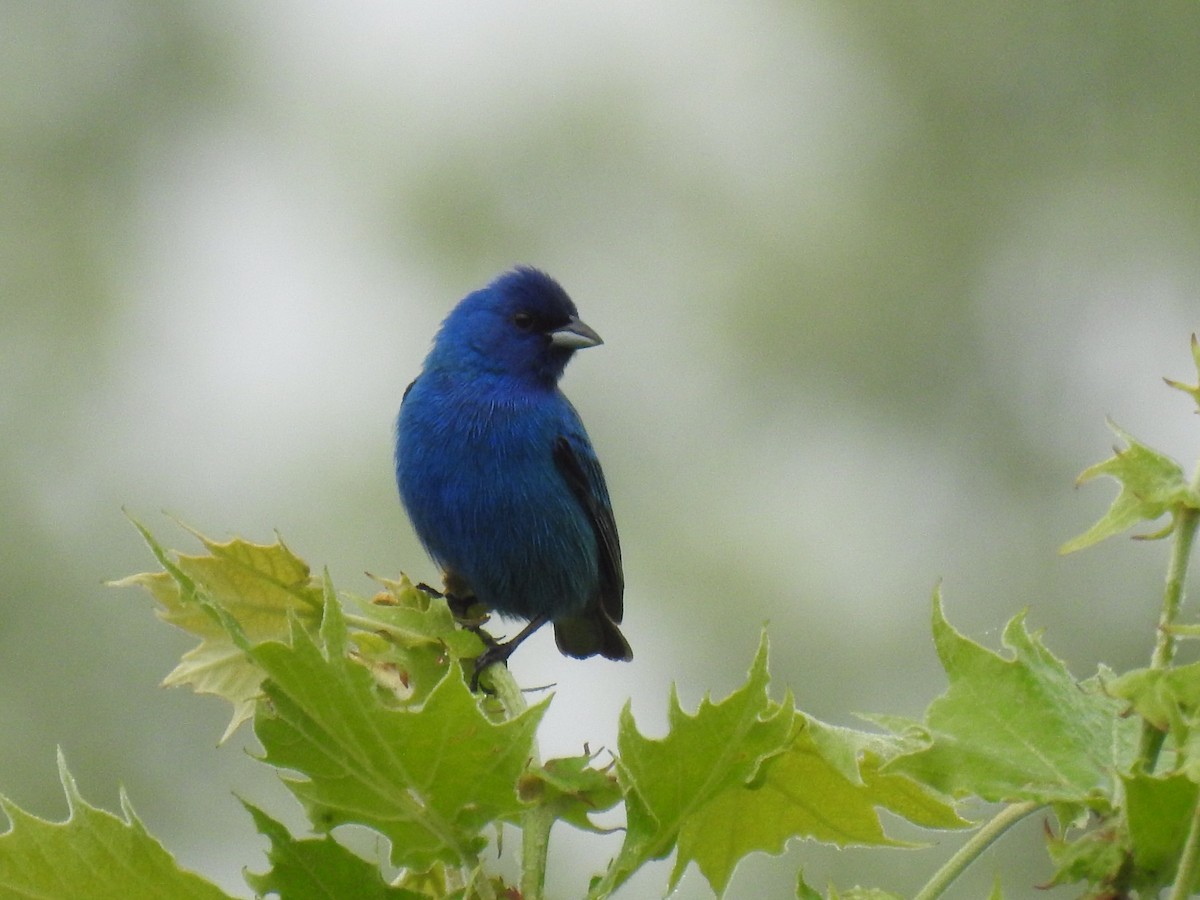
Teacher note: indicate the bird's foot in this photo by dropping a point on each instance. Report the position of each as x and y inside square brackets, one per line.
[500, 652]
[488, 639]
[495, 653]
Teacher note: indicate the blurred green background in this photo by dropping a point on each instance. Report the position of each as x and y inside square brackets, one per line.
[870, 277]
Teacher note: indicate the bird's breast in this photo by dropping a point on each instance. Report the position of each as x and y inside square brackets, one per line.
[480, 483]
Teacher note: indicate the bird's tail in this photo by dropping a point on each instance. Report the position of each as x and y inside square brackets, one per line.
[591, 635]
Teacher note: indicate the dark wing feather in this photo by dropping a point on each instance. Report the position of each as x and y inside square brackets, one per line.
[581, 470]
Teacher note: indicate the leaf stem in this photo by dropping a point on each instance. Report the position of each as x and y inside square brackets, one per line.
[971, 850]
[1189, 863]
[481, 884]
[1186, 520]
[375, 626]
[538, 819]
[536, 823]
[507, 691]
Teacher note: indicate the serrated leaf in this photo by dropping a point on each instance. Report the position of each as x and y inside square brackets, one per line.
[1159, 811]
[1152, 484]
[413, 619]
[316, 868]
[572, 788]
[805, 892]
[1167, 698]
[907, 798]
[91, 854]
[428, 778]
[841, 747]
[669, 780]
[804, 792]
[1020, 728]
[261, 587]
[1191, 390]
[800, 795]
[1096, 857]
[411, 638]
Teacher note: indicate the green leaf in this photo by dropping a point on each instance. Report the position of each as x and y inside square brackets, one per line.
[805, 892]
[907, 798]
[92, 854]
[1151, 484]
[1169, 699]
[428, 778]
[800, 794]
[261, 587]
[1159, 811]
[412, 618]
[1019, 728]
[316, 868]
[670, 782]
[1097, 857]
[409, 638]
[747, 775]
[804, 792]
[1140, 849]
[572, 788]
[1190, 389]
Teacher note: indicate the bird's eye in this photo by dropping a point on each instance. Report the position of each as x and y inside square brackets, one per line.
[523, 320]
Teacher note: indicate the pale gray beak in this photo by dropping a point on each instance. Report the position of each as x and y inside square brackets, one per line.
[575, 335]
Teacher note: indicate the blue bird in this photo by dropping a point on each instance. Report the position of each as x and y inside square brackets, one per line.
[498, 475]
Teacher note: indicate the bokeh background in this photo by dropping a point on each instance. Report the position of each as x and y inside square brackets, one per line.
[871, 276]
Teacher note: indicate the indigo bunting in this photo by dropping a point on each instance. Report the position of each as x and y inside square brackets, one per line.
[498, 475]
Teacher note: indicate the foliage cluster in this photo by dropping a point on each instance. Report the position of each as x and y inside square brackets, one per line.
[362, 705]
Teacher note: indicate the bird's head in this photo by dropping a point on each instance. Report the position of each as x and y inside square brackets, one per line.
[522, 324]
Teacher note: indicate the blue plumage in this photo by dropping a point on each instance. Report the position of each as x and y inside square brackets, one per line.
[497, 472]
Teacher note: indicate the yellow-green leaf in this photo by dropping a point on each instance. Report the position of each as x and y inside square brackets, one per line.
[260, 587]
[1018, 728]
[1152, 484]
[429, 778]
[91, 854]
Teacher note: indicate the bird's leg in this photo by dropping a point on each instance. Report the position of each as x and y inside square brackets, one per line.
[499, 653]
[461, 600]
[460, 607]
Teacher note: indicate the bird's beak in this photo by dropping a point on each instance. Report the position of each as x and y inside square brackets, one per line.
[575, 335]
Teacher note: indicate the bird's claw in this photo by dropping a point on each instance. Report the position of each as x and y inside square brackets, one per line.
[500, 652]
[495, 653]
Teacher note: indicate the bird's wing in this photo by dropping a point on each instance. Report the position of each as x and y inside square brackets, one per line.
[577, 463]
